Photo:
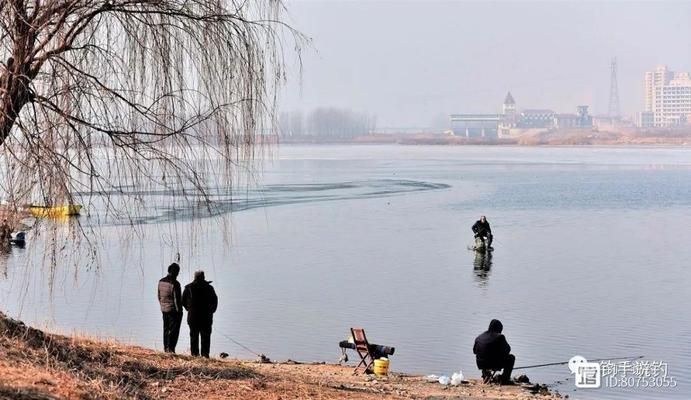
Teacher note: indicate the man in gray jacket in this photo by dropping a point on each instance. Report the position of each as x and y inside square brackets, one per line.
[170, 298]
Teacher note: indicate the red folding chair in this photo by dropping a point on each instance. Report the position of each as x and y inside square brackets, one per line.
[362, 349]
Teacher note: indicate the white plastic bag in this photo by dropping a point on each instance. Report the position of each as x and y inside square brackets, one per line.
[444, 380]
[457, 378]
[432, 378]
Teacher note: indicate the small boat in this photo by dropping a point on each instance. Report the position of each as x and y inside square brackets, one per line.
[55, 211]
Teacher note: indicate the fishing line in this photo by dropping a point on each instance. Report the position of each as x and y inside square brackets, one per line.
[241, 345]
[566, 362]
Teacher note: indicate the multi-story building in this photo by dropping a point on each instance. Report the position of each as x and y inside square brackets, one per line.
[668, 96]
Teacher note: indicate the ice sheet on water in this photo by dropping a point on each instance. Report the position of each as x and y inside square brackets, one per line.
[174, 204]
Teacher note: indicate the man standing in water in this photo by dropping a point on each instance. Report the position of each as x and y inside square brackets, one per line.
[492, 353]
[200, 301]
[482, 230]
[171, 306]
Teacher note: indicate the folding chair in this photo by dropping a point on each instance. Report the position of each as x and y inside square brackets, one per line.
[362, 349]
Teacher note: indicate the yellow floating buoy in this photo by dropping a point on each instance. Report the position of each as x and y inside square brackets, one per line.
[381, 366]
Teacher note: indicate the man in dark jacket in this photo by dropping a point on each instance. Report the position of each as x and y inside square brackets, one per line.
[171, 306]
[200, 301]
[482, 230]
[492, 353]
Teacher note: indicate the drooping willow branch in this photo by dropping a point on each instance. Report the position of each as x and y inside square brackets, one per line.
[100, 95]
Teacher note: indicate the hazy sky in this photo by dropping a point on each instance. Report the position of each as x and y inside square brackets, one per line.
[413, 62]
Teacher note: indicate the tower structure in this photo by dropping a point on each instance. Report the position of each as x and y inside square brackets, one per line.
[509, 106]
[509, 114]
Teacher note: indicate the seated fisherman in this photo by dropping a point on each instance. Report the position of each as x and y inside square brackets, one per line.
[482, 230]
[492, 353]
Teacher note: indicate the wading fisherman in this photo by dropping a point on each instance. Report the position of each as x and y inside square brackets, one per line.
[493, 353]
[170, 298]
[482, 230]
[200, 301]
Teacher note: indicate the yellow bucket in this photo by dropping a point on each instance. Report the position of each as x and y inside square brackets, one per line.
[381, 367]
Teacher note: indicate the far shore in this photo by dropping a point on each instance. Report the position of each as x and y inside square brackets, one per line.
[573, 137]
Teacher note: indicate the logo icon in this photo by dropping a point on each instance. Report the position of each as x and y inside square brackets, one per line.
[587, 373]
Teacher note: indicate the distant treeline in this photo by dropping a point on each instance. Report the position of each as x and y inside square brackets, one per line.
[326, 122]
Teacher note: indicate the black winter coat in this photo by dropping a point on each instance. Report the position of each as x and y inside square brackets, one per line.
[490, 349]
[200, 301]
[481, 228]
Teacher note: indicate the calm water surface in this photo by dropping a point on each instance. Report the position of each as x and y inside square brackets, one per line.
[591, 258]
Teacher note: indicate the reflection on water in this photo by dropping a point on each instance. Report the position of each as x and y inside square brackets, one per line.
[11, 254]
[4, 254]
[482, 264]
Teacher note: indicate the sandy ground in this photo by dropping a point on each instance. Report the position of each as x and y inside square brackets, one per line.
[38, 365]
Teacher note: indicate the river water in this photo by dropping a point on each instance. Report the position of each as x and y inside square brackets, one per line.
[591, 258]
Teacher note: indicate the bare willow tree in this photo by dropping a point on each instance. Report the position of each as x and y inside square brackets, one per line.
[98, 96]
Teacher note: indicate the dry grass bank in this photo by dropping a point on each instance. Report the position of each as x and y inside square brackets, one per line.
[35, 365]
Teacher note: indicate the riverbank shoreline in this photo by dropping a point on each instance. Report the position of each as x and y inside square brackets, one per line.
[36, 365]
[545, 137]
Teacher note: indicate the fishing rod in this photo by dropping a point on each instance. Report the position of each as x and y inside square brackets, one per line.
[242, 345]
[566, 362]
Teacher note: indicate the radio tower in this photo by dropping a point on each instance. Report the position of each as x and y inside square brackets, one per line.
[613, 92]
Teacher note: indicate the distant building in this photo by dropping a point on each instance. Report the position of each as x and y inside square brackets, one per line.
[530, 119]
[580, 120]
[495, 125]
[565, 121]
[585, 120]
[476, 125]
[645, 119]
[509, 106]
[668, 96]
[510, 119]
